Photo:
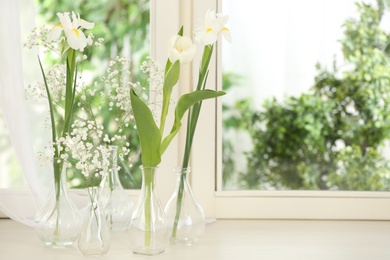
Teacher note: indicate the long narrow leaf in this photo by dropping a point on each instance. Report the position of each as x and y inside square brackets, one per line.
[183, 104]
[68, 115]
[148, 132]
[206, 57]
[51, 108]
[170, 80]
[70, 67]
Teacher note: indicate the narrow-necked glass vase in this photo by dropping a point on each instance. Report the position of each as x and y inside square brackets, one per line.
[94, 240]
[148, 231]
[118, 207]
[186, 219]
[58, 222]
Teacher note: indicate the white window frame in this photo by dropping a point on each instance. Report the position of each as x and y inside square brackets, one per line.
[207, 172]
[166, 18]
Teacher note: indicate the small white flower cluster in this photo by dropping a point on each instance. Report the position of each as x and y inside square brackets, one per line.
[81, 146]
[156, 82]
[38, 37]
[156, 73]
[111, 93]
[54, 76]
[45, 157]
[99, 42]
[119, 82]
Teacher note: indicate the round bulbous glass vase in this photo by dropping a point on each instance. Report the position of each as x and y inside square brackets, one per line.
[118, 207]
[186, 219]
[94, 240]
[58, 222]
[148, 231]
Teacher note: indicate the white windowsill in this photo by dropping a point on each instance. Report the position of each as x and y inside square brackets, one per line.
[232, 239]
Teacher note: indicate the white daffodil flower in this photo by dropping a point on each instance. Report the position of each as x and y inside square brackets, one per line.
[181, 49]
[214, 25]
[72, 30]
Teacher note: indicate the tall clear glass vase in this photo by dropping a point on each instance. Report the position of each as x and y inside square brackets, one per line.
[117, 205]
[185, 216]
[94, 240]
[148, 230]
[58, 222]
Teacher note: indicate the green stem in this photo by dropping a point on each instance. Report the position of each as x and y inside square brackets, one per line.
[193, 116]
[57, 187]
[149, 186]
[178, 204]
[57, 191]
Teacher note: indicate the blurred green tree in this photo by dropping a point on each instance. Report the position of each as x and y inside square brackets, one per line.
[331, 138]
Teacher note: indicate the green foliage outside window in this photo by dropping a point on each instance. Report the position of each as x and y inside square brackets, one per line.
[333, 136]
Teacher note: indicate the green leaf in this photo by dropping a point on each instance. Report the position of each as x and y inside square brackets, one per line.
[148, 131]
[68, 115]
[69, 96]
[170, 80]
[183, 104]
[180, 31]
[206, 57]
[51, 107]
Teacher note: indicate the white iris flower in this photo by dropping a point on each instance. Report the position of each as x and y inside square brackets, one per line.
[72, 30]
[214, 25]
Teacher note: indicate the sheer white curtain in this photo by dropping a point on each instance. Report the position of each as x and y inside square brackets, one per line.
[22, 205]
[17, 204]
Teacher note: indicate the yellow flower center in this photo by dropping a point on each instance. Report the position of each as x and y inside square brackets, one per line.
[209, 30]
[76, 32]
[179, 49]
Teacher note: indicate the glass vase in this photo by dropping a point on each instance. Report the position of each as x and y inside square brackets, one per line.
[186, 219]
[58, 222]
[148, 230]
[117, 205]
[94, 240]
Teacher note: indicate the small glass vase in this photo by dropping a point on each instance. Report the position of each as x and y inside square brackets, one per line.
[185, 216]
[58, 222]
[148, 231]
[117, 205]
[94, 240]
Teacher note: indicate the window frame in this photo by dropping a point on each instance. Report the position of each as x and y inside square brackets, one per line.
[206, 160]
[207, 172]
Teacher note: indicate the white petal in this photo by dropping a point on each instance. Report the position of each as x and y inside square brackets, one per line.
[173, 41]
[86, 25]
[226, 34]
[65, 20]
[207, 38]
[211, 17]
[90, 39]
[184, 43]
[224, 20]
[174, 55]
[76, 39]
[55, 32]
[75, 20]
[187, 55]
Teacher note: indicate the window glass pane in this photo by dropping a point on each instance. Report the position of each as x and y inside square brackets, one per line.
[307, 105]
[124, 26]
